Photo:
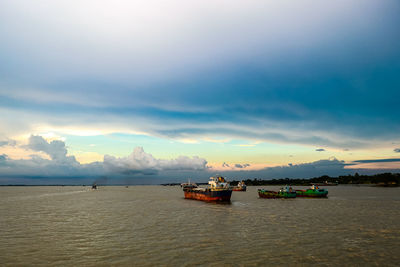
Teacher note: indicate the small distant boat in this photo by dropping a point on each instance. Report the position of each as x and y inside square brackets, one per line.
[188, 185]
[326, 183]
[218, 190]
[387, 184]
[313, 191]
[240, 187]
[285, 192]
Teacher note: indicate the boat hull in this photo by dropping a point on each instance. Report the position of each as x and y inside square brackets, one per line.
[312, 193]
[273, 194]
[239, 189]
[208, 195]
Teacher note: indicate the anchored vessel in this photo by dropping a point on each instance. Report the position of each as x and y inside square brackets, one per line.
[240, 187]
[313, 191]
[285, 192]
[218, 190]
[326, 183]
[188, 185]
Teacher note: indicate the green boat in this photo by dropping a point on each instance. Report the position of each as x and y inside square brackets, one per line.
[285, 192]
[313, 191]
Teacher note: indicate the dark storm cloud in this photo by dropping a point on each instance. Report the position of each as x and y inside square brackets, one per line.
[242, 166]
[378, 160]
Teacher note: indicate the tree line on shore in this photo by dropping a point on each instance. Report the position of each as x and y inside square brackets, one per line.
[382, 179]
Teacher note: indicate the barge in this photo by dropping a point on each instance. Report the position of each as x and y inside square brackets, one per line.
[285, 192]
[313, 191]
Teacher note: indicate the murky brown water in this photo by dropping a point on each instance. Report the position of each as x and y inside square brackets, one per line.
[155, 225]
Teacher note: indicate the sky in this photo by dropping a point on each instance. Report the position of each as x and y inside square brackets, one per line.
[161, 91]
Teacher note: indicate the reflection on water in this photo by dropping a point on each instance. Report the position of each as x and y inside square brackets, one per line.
[155, 225]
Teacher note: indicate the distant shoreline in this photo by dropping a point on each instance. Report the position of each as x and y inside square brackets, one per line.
[383, 179]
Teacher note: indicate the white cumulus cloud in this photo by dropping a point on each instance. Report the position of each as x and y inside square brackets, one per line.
[55, 149]
[60, 165]
[141, 162]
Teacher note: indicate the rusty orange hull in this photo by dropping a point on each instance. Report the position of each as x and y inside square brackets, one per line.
[209, 195]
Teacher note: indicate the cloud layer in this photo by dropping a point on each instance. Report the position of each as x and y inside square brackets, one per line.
[60, 165]
[7, 142]
[144, 168]
[55, 149]
[304, 72]
[293, 76]
[378, 160]
[144, 163]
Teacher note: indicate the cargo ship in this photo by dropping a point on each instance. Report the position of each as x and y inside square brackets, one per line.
[285, 192]
[218, 190]
[313, 191]
[240, 187]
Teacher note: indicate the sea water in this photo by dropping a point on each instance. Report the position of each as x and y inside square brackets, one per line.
[155, 225]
